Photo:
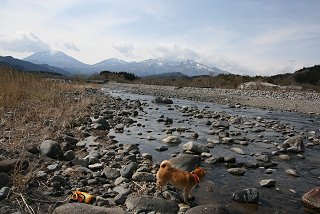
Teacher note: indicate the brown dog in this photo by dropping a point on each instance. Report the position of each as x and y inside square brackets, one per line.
[178, 178]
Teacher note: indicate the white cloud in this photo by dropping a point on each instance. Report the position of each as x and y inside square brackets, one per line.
[23, 42]
[172, 50]
[124, 48]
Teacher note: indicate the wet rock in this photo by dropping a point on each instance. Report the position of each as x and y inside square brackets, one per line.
[249, 195]
[195, 148]
[213, 140]
[221, 123]
[51, 149]
[264, 158]
[292, 144]
[161, 148]
[119, 128]
[127, 171]
[148, 204]
[267, 183]
[208, 209]
[227, 140]
[4, 192]
[143, 176]
[211, 160]
[228, 159]
[186, 162]
[171, 139]
[4, 179]
[237, 171]
[146, 156]
[311, 199]
[292, 172]
[284, 157]
[76, 208]
[238, 150]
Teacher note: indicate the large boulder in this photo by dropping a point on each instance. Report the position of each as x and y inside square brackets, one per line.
[51, 149]
[292, 144]
[76, 208]
[146, 204]
[311, 199]
[186, 162]
[195, 148]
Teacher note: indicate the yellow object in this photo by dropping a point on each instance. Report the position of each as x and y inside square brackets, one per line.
[82, 197]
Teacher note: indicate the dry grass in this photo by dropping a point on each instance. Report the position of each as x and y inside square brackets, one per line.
[28, 103]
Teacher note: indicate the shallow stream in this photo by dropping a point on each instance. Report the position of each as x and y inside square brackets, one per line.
[219, 185]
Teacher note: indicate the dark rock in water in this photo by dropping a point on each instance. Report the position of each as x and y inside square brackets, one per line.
[292, 144]
[9, 165]
[208, 209]
[250, 195]
[264, 158]
[4, 179]
[76, 208]
[161, 148]
[162, 100]
[237, 171]
[267, 182]
[51, 149]
[311, 199]
[186, 162]
[148, 204]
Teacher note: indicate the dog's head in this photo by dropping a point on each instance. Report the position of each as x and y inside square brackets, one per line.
[200, 172]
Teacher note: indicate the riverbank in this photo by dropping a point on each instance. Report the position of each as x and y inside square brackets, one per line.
[303, 102]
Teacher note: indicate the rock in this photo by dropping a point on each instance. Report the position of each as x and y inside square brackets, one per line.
[148, 204]
[162, 100]
[211, 160]
[227, 140]
[208, 209]
[4, 191]
[32, 148]
[122, 190]
[120, 199]
[76, 208]
[249, 195]
[195, 148]
[221, 123]
[292, 172]
[9, 165]
[101, 123]
[264, 158]
[267, 183]
[161, 148]
[120, 180]
[292, 144]
[4, 180]
[238, 150]
[147, 156]
[186, 162]
[69, 139]
[69, 155]
[213, 140]
[143, 176]
[51, 149]
[171, 139]
[119, 128]
[111, 173]
[311, 199]
[237, 171]
[229, 159]
[284, 157]
[95, 166]
[101, 201]
[127, 171]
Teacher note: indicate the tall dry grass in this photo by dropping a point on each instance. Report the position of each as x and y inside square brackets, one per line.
[29, 101]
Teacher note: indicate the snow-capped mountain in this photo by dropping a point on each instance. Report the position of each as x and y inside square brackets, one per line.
[143, 68]
[58, 59]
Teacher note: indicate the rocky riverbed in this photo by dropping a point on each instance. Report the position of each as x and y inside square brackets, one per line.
[258, 161]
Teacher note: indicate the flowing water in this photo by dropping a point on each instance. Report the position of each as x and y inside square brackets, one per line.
[219, 185]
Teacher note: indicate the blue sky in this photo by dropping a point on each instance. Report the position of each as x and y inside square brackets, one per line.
[241, 36]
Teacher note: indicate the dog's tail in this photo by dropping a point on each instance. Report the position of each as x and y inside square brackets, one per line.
[166, 164]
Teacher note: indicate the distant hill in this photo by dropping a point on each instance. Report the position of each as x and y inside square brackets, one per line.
[170, 74]
[309, 75]
[20, 65]
[143, 68]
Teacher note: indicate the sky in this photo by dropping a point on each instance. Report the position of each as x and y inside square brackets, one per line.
[253, 37]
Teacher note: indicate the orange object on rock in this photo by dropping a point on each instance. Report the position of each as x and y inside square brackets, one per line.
[82, 197]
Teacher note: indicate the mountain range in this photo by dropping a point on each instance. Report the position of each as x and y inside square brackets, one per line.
[143, 68]
[59, 62]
